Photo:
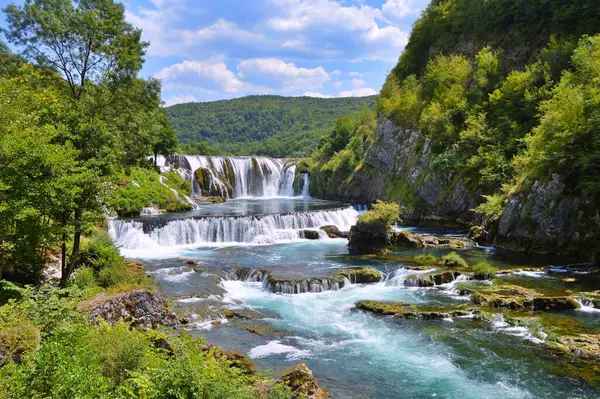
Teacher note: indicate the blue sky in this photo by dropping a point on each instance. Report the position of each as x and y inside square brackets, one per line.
[205, 50]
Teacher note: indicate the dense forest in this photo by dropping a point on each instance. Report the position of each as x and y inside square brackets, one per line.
[506, 92]
[259, 125]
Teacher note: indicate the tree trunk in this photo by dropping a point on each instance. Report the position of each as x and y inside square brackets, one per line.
[155, 160]
[75, 252]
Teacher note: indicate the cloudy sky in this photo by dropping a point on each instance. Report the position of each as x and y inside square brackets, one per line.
[206, 50]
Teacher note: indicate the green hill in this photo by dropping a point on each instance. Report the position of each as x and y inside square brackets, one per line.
[261, 125]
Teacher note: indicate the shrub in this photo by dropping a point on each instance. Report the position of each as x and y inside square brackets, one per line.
[484, 271]
[454, 260]
[84, 278]
[386, 213]
[492, 209]
[9, 290]
[99, 252]
[17, 333]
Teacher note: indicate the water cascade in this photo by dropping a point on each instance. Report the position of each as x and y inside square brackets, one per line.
[235, 177]
[223, 229]
[306, 185]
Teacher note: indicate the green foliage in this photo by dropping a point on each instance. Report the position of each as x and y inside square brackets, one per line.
[10, 290]
[260, 125]
[84, 278]
[401, 102]
[566, 140]
[142, 187]
[98, 252]
[17, 333]
[386, 213]
[454, 260]
[484, 271]
[491, 210]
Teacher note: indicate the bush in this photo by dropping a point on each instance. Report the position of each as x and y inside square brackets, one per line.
[454, 260]
[386, 213]
[484, 271]
[17, 333]
[9, 290]
[99, 252]
[84, 278]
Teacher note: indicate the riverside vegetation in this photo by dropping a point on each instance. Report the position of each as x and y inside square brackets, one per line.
[76, 127]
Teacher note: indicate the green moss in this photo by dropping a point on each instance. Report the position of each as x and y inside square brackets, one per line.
[484, 271]
[361, 275]
[454, 260]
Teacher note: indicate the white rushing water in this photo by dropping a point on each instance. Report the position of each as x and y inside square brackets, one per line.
[235, 177]
[266, 229]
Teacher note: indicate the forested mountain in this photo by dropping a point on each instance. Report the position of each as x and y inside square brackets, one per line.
[493, 106]
[261, 125]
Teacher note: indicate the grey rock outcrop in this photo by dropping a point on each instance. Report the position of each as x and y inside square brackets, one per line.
[141, 308]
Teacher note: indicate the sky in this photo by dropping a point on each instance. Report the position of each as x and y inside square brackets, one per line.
[206, 50]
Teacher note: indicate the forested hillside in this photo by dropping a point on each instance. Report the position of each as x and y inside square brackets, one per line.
[261, 125]
[494, 105]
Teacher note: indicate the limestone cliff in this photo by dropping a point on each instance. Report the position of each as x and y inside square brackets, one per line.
[545, 217]
[398, 167]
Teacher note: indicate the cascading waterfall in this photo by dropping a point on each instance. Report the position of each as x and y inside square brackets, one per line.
[306, 185]
[248, 229]
[235, 177]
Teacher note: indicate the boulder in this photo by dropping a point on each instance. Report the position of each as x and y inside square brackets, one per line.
[143, 309]
[369, 236]
[407, 240]
[302, 383]
[310, 234]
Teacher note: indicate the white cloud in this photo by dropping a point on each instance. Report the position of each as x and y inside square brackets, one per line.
[390, 35]
[357, 92]
[356, 83]
[336, 72]
[287, 75]
[325, 13]
[180, 99]
[337, 85]
[221, 29]
[399, 8]
[207, 75]
[315, 94]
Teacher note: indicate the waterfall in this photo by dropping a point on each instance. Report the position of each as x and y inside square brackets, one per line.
[235, 177]
[226, 229]
[306, 185]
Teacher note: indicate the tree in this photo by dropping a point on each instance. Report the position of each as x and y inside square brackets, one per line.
[36, 174]
[97, 54]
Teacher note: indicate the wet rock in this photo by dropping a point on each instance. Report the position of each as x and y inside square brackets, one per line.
[406, 311]
[515, 297]
[361, 275]
[302, 383]
[210, 200]
[369, 236]
[310, 234]
[334, 232]
[407, 240]
[242, 313]
[585, 346]
[264, 331]
[143, 309]
[431, 279]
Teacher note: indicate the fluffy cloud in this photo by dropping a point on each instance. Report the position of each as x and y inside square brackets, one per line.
[358, 92]
[356, 83]
[185, 98]
[399, 8]
[221, 30]
[208, 76]
[287, 76]
[316, 94]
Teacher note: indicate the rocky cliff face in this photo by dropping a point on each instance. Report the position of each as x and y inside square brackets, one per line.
[544, 217]
[398, 167]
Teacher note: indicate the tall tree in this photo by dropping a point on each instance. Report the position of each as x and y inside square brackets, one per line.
[98, 54]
